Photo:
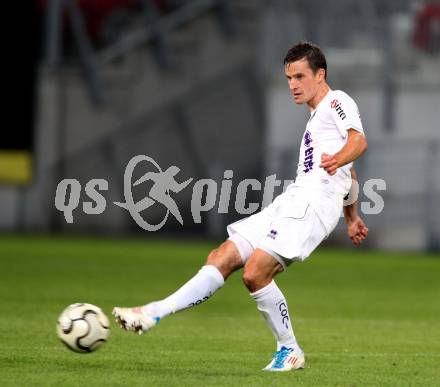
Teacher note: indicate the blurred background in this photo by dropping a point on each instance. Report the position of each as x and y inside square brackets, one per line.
[200, 84]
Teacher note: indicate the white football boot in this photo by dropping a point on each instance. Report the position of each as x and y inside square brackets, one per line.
[286, 359]
[132, 319]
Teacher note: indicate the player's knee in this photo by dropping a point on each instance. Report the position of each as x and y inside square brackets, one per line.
[253, 279]
[225, 258]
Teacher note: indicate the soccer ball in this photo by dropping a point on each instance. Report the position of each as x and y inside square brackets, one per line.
[83, 327]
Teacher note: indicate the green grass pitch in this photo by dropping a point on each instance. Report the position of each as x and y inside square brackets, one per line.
[364, 318]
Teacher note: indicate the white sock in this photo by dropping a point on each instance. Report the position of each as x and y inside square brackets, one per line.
[273, 306]
[198, 289]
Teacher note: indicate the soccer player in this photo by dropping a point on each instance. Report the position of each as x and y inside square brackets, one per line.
[294, 224]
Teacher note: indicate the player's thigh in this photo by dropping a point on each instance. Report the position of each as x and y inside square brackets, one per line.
[247, 233]
[294, 239]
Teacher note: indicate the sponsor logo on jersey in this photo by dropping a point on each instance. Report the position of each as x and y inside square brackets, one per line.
[308, 154]
[308, 160]
[307, 139]
[335, 104]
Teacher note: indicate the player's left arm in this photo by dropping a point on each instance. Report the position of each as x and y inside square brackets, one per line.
[356, 229]
[355, 146]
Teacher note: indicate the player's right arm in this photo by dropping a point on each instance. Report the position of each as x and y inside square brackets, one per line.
[356, 229]
[354, 148]
[345, 115]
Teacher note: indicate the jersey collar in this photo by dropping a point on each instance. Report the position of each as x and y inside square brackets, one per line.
[313, 112]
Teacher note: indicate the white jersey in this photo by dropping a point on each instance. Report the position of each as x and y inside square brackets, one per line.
[298, 220]
[326, 132]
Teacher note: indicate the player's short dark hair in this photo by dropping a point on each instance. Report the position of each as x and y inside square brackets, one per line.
[313, 54]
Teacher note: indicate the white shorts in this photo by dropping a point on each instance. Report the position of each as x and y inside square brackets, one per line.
[289, 229]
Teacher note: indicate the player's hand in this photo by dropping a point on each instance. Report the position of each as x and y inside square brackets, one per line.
[329, 163]
[357, 231]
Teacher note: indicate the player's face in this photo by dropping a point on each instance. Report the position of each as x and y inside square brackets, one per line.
[303, 83]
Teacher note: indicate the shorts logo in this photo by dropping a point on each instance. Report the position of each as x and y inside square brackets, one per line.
[272, 234]
[335, 104]
[308, 154]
